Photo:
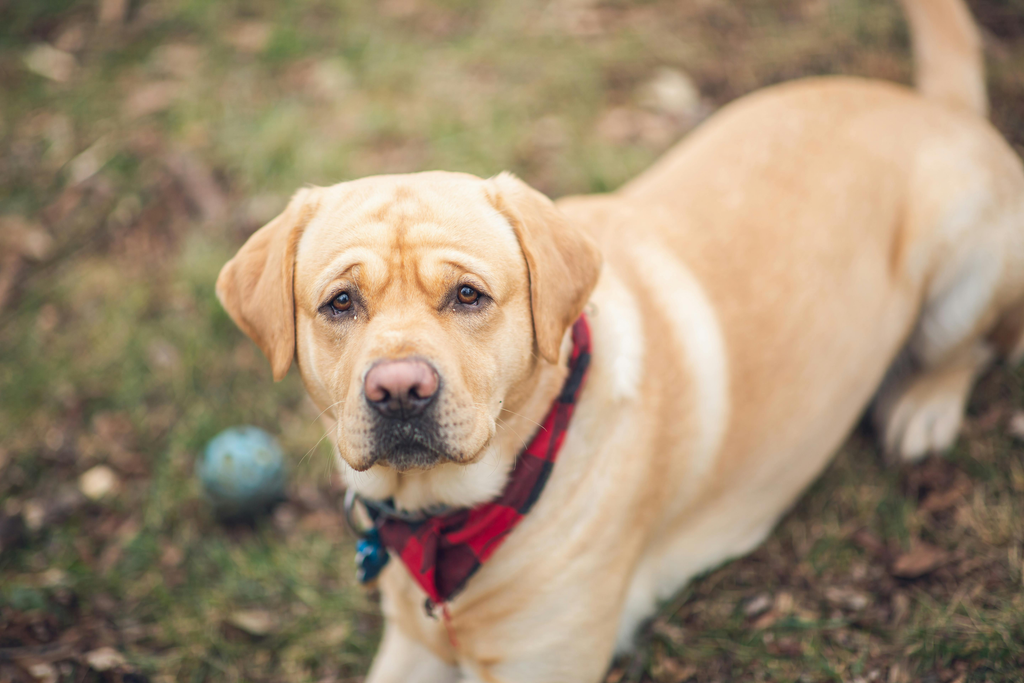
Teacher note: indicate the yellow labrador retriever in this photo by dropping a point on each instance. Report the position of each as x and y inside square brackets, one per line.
[811, 247]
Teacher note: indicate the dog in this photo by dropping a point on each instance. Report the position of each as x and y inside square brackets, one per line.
[815, 250]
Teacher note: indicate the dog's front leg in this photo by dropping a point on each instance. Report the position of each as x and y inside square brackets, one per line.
[400, 659]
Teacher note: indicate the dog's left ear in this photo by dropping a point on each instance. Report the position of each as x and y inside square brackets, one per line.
[256, 286]
[564, 262]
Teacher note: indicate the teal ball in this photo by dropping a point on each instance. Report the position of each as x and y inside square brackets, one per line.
[242, 471]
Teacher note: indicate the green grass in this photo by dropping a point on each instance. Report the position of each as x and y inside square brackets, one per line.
[114, 350]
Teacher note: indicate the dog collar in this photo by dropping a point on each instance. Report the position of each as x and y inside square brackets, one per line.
[443, 548]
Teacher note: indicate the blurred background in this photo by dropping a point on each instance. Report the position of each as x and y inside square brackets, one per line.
[141, 142]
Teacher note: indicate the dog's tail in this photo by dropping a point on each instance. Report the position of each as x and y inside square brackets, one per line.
[949, 65]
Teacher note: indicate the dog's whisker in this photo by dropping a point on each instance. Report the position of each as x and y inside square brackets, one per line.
[509, 427]
[497, 463]
[325, 410]
[310, 451]
[327, 469]
[512, 412]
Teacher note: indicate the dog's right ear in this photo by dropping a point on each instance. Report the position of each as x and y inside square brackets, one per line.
[256, 286]
[563, 261]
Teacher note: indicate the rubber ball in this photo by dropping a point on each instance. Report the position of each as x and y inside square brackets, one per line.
[242, 471]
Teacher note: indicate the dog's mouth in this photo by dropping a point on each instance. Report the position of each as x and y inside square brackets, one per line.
[440, 435]
[409, 445]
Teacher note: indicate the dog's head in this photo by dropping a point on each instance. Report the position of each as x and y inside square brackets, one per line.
[415, 306]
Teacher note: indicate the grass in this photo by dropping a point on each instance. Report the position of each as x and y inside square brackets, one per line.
[186, 126]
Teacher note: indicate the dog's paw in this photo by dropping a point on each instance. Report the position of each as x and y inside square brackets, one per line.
[922, 421]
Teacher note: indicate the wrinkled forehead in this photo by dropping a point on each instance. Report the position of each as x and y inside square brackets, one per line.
[417, 225]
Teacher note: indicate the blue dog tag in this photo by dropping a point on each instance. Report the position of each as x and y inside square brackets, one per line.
[371, 556]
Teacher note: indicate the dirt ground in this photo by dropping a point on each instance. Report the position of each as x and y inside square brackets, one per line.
[141, 141]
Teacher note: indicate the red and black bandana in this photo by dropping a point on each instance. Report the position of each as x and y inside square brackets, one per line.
[443, 551]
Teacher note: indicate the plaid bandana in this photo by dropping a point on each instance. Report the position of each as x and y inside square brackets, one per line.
[442, 551]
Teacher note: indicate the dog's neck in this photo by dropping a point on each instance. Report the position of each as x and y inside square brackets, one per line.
[455, 485]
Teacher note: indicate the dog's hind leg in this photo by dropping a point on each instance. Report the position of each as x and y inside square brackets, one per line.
[919, 410]
[966, 207]
[973, 313]
[920, 405]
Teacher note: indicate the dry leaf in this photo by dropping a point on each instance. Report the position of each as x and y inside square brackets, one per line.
[787, 647]
[758, 605]
[578, 19]
[44, 672]
[920, 560]
[784, 603]
[112, 12]
[668, 669]
[171, 556]
[937, 501]
[766, 620]
[104, 659]
[255, 622]
[53, 577]
[25, 238]
[98, 482]
[335, 635]
[625, 125]
[615, 675]
[329, 79]
[400, 9]
[71, 38]
[49, 62]
[35, 514]
[150, 98]
[869, 542]
[849, 598]
[89, 162]
[114, 426]
[671, 632]
[178, 59]
[42, 512]
[1016, 426]
[673, 93]
[250, 36]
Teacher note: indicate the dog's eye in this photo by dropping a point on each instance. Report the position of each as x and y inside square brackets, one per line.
[468, 295]
[342, 302]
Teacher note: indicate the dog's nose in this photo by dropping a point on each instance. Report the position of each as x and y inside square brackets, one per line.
[400, 388]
